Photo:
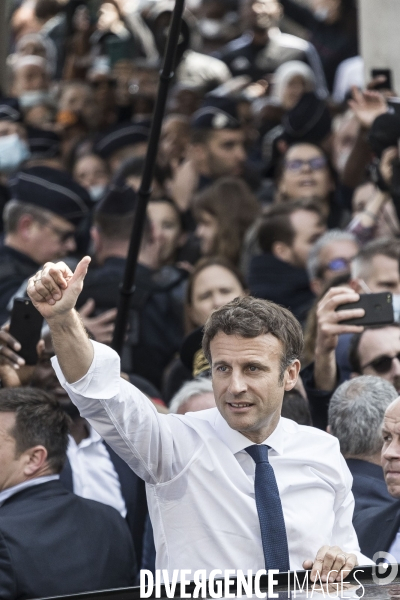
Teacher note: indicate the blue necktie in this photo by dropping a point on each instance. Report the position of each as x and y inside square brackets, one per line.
[270, 514]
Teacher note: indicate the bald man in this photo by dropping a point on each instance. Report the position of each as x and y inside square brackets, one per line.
[379, 530]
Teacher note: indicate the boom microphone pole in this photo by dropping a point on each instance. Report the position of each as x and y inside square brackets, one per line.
[144, 192]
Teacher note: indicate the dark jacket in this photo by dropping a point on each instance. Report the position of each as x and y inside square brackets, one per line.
[133, 492]
[376, 528]
[243, 57]
[15, 269]
[369, 487]
[275, 280]
[54, 543]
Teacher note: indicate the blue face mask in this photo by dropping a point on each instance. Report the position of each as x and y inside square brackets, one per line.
[13, 152]
[96, 192]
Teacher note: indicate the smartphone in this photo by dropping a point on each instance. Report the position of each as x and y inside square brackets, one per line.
[378, 309]
[26, 326]
[387, 73]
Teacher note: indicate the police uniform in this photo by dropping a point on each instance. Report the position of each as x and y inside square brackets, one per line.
[54, 191]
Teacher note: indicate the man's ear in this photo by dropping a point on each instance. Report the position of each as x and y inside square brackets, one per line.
[282, 251]
[291, 375]
[35, 460]
[328, 429]
[24, 225]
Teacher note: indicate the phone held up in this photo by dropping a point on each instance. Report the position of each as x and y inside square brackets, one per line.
[378, 309]
[26, 327]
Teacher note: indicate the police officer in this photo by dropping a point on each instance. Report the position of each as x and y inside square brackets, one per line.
[40, 223]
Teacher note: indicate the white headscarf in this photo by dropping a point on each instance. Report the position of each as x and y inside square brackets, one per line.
[286, 72]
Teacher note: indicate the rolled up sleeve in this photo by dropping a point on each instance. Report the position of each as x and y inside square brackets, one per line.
[157, 447]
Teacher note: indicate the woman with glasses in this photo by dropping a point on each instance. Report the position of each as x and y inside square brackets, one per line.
[305, 172]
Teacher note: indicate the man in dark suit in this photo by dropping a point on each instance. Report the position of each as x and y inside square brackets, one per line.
[356, 413]
[378, 528]
[51, 541]
[92, 469]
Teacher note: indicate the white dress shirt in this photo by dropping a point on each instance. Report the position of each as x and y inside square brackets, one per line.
[8, 492]
[394, 549]
[200, 480]
[93, 473]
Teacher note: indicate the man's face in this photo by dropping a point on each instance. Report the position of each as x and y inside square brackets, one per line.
[261, 15]
[308, 228]
[246, 382]
[225, 152]
[305, 173]
[11, 465]
[334, 260]
[391, 449]
[29, 78]
[51, 241]
[383, 275]
[376, 344]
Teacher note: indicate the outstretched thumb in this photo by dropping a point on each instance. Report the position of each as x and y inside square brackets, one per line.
[80, 271]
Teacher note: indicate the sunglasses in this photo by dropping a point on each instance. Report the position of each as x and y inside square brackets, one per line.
[319, 162]
[63, 236]
[382, 364]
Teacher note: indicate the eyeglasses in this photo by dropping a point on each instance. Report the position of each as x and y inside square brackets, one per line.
[319, 162]
[63, 236]
[382, 364]
[337, 264]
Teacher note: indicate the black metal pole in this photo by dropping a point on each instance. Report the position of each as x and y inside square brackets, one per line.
[144, 191]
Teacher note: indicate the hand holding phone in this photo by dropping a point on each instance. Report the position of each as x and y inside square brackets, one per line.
[378, 310]
[330, 322]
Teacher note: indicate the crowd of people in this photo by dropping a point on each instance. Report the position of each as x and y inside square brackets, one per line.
[275, 178]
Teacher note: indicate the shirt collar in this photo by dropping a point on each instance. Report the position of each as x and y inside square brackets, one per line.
[237, 441]
[7, 493]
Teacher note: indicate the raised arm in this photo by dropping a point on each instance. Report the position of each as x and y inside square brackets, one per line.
[54, 291]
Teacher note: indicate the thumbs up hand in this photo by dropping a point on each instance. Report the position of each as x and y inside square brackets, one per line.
[55, 289]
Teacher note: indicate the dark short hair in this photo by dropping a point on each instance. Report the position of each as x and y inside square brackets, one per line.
[276, 225]
[250, 317]
[296, 408]
[114, 227]
[40, 420]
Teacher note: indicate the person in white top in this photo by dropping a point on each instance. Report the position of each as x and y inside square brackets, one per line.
[202, 484]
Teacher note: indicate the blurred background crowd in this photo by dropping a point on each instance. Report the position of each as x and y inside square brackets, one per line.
[277, 175]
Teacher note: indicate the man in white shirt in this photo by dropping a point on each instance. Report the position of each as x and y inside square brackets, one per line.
[203, 485]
